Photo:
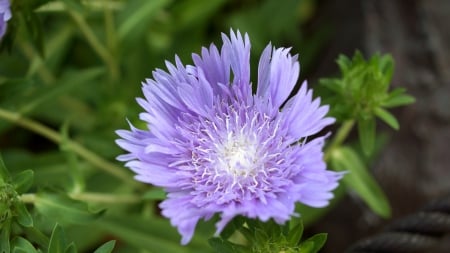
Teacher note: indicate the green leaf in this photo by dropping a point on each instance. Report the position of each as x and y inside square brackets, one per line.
[5, 236]
[74, 5]
[155, 234]
[232, 226]
[72, 248]
[295, 234]
[106, 247]
[344, 62]
[367, 131]
[360, 180]
[190, 13]
[67, 83]
[36, 236]
[73, 164]
[138, 15]
[23, 216]
[34, 31]
[21, 245]
[261, 236]
[387, 117]
[397, 98]
[314, 243]
[57, 240]
[23, 181]
[223, 246]
[64, 209]
[4, 174]
[154, 194]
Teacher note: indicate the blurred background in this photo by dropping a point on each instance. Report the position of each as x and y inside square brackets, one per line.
[76, 67]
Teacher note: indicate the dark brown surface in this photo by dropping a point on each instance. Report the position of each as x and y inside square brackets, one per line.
[414, 167]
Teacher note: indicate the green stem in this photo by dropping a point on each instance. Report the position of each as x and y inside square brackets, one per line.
[83, 152]
[92, 39]
[28, 198]
[45, 74]
[339, 138]
[93, 197]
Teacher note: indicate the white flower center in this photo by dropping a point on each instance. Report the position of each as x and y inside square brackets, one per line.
[238, 157]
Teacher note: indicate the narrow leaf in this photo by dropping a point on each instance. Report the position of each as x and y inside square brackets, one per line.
[223, 246]
[154, 194]
[72, 248]
[36, 236]
[74, 5]
[106, 247]
[397, 98]
[232, 226]
[315, 242]
[4, 174]
[360, 180]
[5, 236]
[142, 13]
[23, 216]
[152, 234]
[387, 117]
[21, 245]
[64, 209]
[367, 131]
[23, 181]
[295, 234]
[57, 240]
[67, 83]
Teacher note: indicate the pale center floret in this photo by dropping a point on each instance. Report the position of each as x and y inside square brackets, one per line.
[237, 156]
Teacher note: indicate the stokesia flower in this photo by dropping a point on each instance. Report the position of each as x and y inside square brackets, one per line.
[215, 147]
[5, 15]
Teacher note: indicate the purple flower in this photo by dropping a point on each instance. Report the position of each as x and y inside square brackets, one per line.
[5, 15]
[217, 148]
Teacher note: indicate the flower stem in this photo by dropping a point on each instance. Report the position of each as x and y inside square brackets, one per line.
[83, 152]
[100, 49]
[339, 138]
[93, 197]
[45, 74]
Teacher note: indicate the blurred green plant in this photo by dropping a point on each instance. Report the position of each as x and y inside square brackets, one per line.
[360, 96]
[69, 73]
[15, 219]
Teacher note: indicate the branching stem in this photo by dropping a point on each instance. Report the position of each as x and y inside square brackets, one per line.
[92, 197]
[57, 138]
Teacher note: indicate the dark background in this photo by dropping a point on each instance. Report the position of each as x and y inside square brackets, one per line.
[413, 168]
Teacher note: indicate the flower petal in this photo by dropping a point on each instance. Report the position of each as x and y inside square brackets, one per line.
[215, 67]
[277, 76]
[236, 50]
[303, 115]
[198, 97]
[182, 214]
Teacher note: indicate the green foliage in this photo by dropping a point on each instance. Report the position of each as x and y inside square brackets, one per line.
[107, 247]
[243, 235]
[20, 244]
[359, 179]
[16, 219]
[152, 234]
[59, 244]
[12, 210]
[63, 209]
[362, 93]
